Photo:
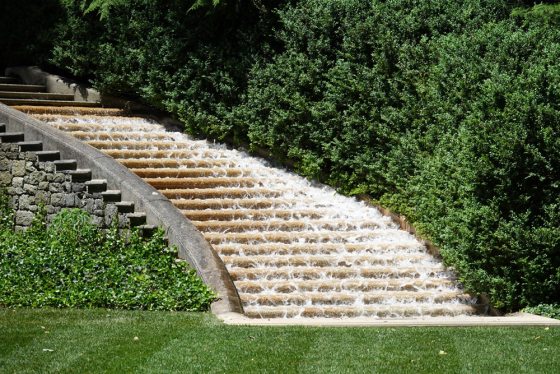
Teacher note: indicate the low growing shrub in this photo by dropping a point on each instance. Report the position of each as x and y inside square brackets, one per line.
[72, 263]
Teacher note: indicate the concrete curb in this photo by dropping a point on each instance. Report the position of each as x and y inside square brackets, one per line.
[518, 319]
[159, 210]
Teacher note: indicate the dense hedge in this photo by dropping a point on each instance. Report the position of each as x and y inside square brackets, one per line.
[448, 112]
[74, 264]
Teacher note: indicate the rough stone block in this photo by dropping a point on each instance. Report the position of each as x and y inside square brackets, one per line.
[17, 182]
[5, 178]
[43, 186]
[30, 188]
[18, 168]
[24, 218]
[26, 201]
[57, 199]
[55, 187]
[5, 165]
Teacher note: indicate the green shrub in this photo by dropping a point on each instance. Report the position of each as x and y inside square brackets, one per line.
[547, 310]
[444, 111]
[72, 263]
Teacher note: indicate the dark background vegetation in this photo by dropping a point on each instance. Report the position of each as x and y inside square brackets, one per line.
[446, 111]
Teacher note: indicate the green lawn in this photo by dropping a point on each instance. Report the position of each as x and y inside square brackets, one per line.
[81, 341]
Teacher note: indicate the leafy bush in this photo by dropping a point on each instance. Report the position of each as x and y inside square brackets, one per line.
[547, 310]
[72, 263]
[444, 111]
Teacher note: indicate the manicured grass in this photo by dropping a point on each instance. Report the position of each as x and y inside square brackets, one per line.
[98, 340]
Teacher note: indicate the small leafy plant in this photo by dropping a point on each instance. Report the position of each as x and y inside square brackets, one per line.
[72, 263]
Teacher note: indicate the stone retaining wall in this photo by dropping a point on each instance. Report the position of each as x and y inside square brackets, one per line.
[30, 183]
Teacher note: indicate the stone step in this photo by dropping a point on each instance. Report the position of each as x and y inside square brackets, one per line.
[94, 118]
[134, 163]
[255, 214]
[8, 80]
[190, 173]
[186, 148]
[80, 175]
[199, 193]
[326, 260]
[71, 110]
[134, 153]
[204, 182]
[44, 156]
[64, 165]
[335, 272]
[44, 102]
[230, 205]
[286, 225]
[122, 136]
[341, 285]
[125, 206]
[146, 231]
[96, 186]
[35, 95]
[136, 219]
[11, 137]
[279, 249]
[379, 311]
[350, 298]
[33, 146]
[17, 87]
[300, 237]
[67, 125]
[111, 196]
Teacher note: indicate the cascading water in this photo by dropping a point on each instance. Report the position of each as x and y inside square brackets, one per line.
[293, 249]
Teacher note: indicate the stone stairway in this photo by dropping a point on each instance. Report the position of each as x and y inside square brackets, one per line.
[291, 248]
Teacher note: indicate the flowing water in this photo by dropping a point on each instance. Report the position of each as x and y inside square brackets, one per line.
[293, 249]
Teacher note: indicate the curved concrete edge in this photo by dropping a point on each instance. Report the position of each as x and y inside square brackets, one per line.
[518, 319]
[54, 83]
[159, 210]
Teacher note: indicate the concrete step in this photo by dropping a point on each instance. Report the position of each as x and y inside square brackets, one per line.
[186, 147]
[139, 163]
[204, 182]
[125, 206]
[96, 186]
[144, 151]
[350, 298]
[254, 214]
[73, 110]
[35, 95]
[111, 196]
[33, 146]
[80, 175]
[299, 237]
[326, 260]
[230, 192]
[279, 249]
[44, 102]
[65, 165]
[334, 272]
[164, 172]
[44, 156]
[17, 87]
[380, 311]
[136, 219]
[123, 136]
[342, 285]
[146, 231]
[9, 80]
[11, 137]
[293, 225]
[230, 205]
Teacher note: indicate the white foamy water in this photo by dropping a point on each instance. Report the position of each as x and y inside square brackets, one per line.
[293, 248]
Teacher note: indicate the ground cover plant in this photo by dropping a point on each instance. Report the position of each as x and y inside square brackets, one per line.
[99, 340]
[447, 112]
[72, 263]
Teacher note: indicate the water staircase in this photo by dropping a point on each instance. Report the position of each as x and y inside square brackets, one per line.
[292, 248]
